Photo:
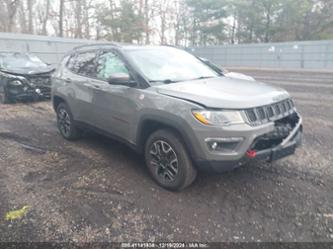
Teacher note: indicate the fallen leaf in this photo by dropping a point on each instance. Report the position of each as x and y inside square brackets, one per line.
[17, 214]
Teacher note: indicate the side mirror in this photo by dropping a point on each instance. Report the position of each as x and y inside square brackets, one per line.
[120, 79]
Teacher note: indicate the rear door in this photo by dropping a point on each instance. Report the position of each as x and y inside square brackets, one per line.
[83, 68]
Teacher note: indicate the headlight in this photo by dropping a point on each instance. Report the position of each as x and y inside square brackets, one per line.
[224, 118]
[15, 83]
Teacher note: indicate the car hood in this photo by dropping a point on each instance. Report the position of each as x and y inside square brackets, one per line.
[28, 71]
[224, 92]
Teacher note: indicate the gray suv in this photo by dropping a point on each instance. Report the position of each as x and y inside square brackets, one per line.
[179, 112]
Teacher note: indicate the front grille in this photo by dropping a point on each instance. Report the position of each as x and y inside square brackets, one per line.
[264, 114]
[270, 112]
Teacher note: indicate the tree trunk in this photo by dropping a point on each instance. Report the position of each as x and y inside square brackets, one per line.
[61, 18]
[268, 9]
[146, 22]
[30, 18]
[23, 21]
[162, 36]
[46, 17]
[252, 25]
[233, 30]
[86, 7]
[11, 10]
[164, 9]
[114, 32]
[78, 16]
[267, 27]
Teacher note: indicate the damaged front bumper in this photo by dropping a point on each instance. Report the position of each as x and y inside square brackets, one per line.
[277, 151]
[27, 92]
[286, 148]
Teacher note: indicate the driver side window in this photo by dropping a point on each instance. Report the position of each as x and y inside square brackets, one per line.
[108, 64]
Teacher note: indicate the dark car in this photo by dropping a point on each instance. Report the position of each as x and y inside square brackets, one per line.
[24, 76]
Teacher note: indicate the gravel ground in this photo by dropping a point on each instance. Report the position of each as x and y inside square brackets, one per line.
[96, 189]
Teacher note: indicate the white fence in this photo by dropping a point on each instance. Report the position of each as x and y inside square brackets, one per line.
[50, 49]
[310, 54]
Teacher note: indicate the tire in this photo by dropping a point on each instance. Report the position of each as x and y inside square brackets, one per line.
[4, 98]
[66, 124]
[168, 161]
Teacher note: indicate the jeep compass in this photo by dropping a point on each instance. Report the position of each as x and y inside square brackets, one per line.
[176, 110]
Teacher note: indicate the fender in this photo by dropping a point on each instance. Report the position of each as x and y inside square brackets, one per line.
[168, 120]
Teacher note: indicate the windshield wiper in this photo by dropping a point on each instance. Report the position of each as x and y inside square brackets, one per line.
[166, 81]
[203, 77]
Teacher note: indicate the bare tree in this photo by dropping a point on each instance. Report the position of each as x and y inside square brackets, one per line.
[11, 7]
[87, 6]
[61, 18]
[30, 17]
[146, 21]
[113, 7]
[78, 18]
[45, 17]
[181, 22]
[163, 13]
[22, 18]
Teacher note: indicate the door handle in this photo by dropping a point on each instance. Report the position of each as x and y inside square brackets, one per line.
[94, 86]
[68, 80]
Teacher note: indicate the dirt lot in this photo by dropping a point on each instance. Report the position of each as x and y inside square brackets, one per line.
[96, 189]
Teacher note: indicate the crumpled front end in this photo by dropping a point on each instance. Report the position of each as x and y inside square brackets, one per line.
[42, 84]
[33, 87]
[279, 143]
[270, 133]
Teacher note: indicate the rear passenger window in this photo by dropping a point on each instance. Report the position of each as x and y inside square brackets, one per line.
[84, 64]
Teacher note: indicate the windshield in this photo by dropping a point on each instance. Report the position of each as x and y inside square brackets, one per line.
[19, 60]
[166, 64]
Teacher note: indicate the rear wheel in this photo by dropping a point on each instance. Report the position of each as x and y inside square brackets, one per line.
[66, 123]
[168, 160]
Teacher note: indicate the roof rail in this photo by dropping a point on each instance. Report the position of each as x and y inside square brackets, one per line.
[96, 44]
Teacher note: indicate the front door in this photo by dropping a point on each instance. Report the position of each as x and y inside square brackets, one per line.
[114, 105]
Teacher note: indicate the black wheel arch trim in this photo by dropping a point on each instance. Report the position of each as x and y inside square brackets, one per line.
[175, 123]
[54, 104]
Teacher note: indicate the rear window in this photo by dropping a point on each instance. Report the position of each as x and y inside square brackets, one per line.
[83, 63]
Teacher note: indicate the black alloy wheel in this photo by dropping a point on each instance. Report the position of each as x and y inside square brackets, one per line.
[168, 161]
[165, 160]
[66, 123]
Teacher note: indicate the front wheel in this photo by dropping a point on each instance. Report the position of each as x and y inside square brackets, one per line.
[168, 161]
[66, 123]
